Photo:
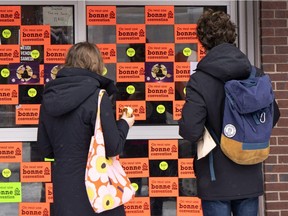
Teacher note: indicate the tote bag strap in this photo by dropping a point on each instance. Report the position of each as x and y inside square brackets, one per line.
[98, 119]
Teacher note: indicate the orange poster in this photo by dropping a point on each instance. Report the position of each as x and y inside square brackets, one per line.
[185, 168]
[49, 192]
[163, 149]
[9, 54]
[9, 94]
[108, 52]
[11, 152]
[139, 109]
[126, 72]
[130, 33]
[160, 52]
[27, 114]
[29, 209]
[35, 35]
[35, 172]
[181, 71]
[185, 33]
[201, 52]
[55, 53]
[159, 15]
[138, 206]
[10, 15]
[135, 167]
[163, 187]
[41, 74]
[187, 206]
[177, 109]
[159, 91]
[101, 15]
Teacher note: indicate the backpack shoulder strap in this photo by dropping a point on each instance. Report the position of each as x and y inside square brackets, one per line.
[252, 72]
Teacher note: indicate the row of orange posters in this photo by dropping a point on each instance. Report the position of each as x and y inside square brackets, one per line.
[161, 150]
[138, 206]
[9, 93]
[28, 114]
[55, 54]
[107, 15]
[160, 72]
[99, 15]
[10, 53]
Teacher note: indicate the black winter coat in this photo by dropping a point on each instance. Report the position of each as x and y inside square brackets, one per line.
[204, 106]
[67, 120]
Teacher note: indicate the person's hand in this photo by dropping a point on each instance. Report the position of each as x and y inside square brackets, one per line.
[130, 120]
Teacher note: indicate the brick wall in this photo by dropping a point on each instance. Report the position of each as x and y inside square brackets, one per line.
[274, 58]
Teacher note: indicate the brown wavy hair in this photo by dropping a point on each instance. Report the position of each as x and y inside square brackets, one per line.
[214, 28]
[85, 55]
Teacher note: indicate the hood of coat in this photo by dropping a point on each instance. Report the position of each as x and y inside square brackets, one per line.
[71, 88]
[225, 62]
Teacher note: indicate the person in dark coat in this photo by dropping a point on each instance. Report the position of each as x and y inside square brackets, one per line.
[67, 122]
[237, 187]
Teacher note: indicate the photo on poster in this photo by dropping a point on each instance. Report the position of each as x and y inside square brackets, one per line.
[159, 71]
[50, 72]
[32, 53]
[24, 73]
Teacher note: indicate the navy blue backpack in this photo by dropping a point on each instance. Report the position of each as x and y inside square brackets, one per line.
[248, 119]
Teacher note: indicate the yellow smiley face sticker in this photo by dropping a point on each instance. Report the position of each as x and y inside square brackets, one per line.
[135, 186]
[35, 54]
[105, 71]
[163, 165]
[130, 52]
[6, 173]
[187, 51]
[5, 72]
[130, 89]
[6, 33]
[160, 109]
[32, 92]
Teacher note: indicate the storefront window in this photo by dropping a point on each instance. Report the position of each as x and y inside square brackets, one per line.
[150, 52]
[33, 40]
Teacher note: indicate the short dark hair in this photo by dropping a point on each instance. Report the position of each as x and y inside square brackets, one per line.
[214, 28]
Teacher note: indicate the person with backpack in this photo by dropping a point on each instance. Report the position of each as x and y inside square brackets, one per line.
[223, 186]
